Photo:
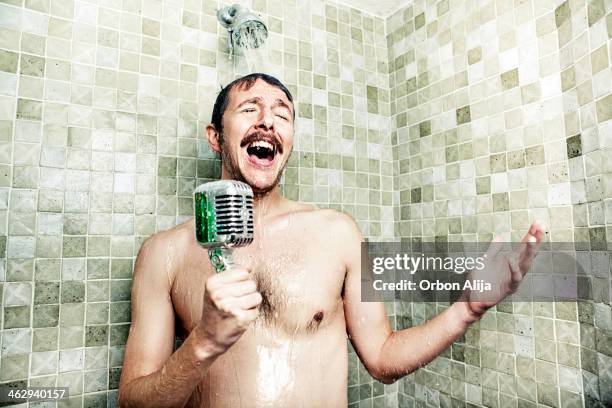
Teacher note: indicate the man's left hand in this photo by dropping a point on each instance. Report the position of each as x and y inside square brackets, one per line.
[504, 272]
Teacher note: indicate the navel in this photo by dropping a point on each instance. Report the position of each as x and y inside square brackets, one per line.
[318, 316]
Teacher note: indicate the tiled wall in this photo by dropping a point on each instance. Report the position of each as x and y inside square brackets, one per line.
[450, 119]
[501, 114]
[102, 109]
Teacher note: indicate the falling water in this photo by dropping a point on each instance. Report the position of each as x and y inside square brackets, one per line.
[250, 38]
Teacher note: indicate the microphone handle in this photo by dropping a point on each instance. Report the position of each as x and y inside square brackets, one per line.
[221, 258]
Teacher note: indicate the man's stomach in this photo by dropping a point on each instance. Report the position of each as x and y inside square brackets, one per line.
[271, 369]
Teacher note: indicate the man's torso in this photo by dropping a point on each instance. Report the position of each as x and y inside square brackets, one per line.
[295, 353]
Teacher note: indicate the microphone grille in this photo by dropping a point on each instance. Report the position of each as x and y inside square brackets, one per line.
[224, 214]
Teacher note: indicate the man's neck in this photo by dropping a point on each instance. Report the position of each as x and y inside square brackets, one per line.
[264, 205]
[267, 204]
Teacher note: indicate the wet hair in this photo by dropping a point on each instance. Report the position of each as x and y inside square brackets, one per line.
[247, 82]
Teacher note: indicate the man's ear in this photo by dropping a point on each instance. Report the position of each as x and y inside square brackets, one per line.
[214, 138]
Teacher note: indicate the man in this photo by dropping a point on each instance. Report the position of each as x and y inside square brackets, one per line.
[271, 332]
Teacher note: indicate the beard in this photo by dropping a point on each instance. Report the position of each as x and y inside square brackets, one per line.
[231, 166]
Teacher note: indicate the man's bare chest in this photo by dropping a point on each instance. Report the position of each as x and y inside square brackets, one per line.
[300, 283]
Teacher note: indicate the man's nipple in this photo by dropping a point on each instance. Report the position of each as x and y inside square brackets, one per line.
[315, 322]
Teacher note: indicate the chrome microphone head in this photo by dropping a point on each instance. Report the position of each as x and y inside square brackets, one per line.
[224, 214]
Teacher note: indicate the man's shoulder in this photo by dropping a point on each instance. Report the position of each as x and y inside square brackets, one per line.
[169, 245]
[330, 219]
[162, 254]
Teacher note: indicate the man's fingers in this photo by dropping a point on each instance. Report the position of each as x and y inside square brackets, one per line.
[516, 272]
[248, 315]
[249, 301]
[494, 248]
[237, 289]
[530, 244]
[231, 275]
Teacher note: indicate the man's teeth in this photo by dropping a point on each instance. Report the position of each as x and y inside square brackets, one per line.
[262, 143]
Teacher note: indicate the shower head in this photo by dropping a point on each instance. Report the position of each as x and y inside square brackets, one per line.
[246, 29]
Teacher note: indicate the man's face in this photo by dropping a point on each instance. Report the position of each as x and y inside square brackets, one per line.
[257, 135]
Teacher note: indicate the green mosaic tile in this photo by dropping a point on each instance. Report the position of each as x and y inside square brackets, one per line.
[604, 343]
[596, 9]
[548, 395]
[415, 195]
[114, 375]
[562, 13]
[604, 108]
[71, 337]
[96, 336]
[75, 224]
[44, 339]
[568, 354]
[14, 367]
[599, 59]
[118, 334]
[29, 109]
[98, 290]
[530, 93]
[510, 79]
[501, 202]
[96, 380]
[474, 55]
[19, 270]
[45, 316]
[150, 27]
[525, 368]
[516, 159]
[466, 151]
[121, 268]
[452, 154]
[47, 269]
[120, 289]
[568, 79]
[498, 163]
[419, 21]
[97, 313]
[463, 115]
[74, 246]
[98, 246]
[16, 317]
[120, 312]
[534, 155]
[423, 80]
[72, 314]
[73, 292]
[597, 237]
[8, 61]
[32, 65]
[46, 292]
[95, 400]
[5, 175]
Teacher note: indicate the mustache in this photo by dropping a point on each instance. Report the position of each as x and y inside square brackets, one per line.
[262, 136]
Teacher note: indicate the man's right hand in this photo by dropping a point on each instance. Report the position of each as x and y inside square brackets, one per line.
[231, 303]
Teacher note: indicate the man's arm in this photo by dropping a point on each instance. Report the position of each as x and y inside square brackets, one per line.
[152, 375]
[389, 355]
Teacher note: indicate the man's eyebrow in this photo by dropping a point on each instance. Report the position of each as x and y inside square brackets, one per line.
[255, 99]
[283, 104]
[258, 99]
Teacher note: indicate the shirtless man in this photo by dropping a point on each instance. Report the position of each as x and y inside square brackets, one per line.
[273, 331]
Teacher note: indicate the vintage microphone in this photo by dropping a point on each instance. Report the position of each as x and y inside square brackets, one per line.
[223, 219]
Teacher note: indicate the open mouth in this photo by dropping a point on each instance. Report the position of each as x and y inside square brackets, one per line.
[261, 150]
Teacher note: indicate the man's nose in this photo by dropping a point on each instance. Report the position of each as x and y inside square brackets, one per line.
[266, 119]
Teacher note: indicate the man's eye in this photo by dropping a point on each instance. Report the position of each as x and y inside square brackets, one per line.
[282, 117]
[249, 110]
